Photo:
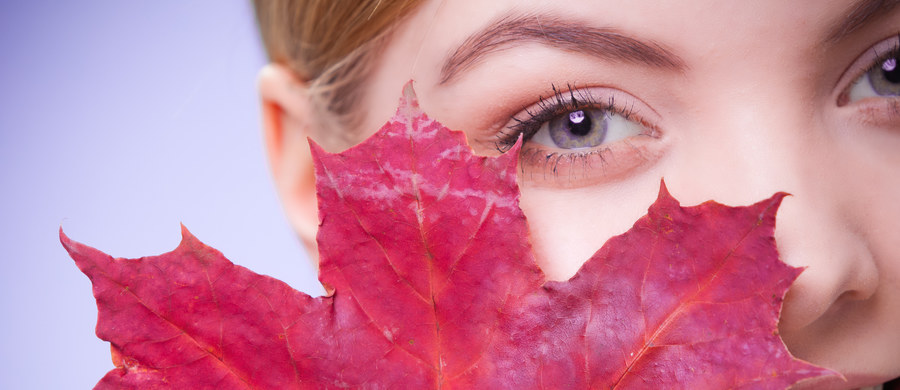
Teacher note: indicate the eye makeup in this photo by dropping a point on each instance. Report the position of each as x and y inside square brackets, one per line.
[580, 136]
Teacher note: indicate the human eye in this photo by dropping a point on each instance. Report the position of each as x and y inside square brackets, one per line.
[876, 84]
[578, 137]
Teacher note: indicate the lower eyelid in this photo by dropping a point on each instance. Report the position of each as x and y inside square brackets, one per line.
[880, 111]
[548, 167]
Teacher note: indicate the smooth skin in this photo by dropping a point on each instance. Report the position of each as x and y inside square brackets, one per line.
[759, 97]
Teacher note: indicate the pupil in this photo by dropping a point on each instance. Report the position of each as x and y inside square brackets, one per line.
[890, 70]
[580, 124]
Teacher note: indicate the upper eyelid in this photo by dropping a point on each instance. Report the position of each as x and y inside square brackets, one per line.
[600, 97]
[572, 99]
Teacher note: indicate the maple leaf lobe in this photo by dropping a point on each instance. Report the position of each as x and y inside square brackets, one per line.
[454, 216]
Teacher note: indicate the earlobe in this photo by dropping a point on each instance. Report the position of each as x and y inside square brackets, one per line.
[288, 120]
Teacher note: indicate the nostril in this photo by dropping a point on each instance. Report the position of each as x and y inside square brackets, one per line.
[831, 283]
[863, 279]
[853, 295]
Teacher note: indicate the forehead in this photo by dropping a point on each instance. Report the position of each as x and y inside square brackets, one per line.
[691, 27]
[449, 18]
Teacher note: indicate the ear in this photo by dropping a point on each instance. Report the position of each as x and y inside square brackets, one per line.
[288, 119]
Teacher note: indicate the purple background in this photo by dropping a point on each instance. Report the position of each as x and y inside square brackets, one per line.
[118, 120]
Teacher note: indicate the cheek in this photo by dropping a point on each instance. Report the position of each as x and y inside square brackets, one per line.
[568, 226]
[870, 158]
[877, 205]
[884, 238]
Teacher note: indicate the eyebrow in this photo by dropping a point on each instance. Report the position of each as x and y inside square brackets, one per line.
[515, 29]
[858, 15]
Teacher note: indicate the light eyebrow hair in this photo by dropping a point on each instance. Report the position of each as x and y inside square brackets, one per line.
[516, 29]
[859, 14]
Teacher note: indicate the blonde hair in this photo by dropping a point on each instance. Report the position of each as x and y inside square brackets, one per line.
[331, 44]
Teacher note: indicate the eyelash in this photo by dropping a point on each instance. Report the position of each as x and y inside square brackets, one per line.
[893, 53]
[880, 58]
[561, 102]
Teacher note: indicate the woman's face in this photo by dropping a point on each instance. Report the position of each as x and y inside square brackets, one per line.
[726, 100]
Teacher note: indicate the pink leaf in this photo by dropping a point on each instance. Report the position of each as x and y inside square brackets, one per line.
[435, 286]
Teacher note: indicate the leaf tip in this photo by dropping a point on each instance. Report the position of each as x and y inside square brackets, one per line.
[778, 197]
[63, 238]
[186, 236]
[409, 102]
[663, 190]
[317, 153]
[74, 248]
[510, 156]
[86, 258]
[664, 197]
[769, 208]
[409, 95]
[518, 145]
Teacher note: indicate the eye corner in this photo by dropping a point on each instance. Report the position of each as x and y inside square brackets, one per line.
[843, 98]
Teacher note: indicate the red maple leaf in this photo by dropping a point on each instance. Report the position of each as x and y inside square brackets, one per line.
[434, 285]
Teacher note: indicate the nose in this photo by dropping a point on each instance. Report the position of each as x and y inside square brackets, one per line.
[811, 232]
[757, 155]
